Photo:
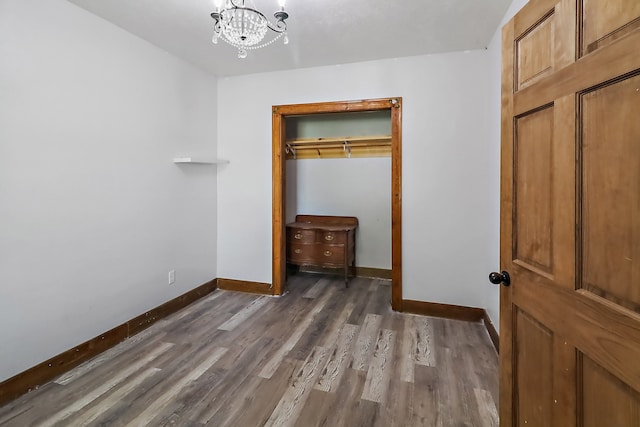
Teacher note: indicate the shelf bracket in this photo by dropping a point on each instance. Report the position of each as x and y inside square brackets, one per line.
[290, 150]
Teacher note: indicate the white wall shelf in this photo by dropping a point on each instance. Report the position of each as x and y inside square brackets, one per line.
[198, 161]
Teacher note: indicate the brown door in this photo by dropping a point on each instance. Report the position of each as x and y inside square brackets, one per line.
[570, 215]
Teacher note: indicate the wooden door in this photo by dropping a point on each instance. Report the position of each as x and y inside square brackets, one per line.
[570, 215]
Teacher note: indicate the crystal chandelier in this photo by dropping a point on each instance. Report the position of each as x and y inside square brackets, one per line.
[244, 27]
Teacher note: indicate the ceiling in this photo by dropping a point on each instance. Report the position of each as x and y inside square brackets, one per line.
[321, 32]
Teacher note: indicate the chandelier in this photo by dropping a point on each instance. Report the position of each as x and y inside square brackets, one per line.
[244, 27]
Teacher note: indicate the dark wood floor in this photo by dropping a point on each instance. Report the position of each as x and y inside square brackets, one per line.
[322, 355]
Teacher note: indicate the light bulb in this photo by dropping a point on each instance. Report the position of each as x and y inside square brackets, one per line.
[281, 3]
[285, 39]
[217, 4]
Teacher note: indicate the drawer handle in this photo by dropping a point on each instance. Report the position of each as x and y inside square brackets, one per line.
[297, 236]
[298, 251]
[328, 237]
[327, 253]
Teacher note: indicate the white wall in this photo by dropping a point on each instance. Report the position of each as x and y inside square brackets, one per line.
[447, 223]
[359, 187]
[494, 50]
[93, 213]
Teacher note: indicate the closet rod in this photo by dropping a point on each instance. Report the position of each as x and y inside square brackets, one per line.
[373, 139]
[335, 145]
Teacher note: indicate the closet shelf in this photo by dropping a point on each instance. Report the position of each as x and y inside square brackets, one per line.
[339, 147]
[198, 161]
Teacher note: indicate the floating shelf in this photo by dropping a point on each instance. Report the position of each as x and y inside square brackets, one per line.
[339, 147]
[198, 161]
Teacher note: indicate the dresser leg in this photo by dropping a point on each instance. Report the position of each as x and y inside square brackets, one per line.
[346, 275]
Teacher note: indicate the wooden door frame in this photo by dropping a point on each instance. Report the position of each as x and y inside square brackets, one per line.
[280, 112]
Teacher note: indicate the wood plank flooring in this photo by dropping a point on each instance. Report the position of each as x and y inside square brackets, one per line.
[322, 355]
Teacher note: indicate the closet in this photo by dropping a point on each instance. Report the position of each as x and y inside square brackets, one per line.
[284, 116]
[339, 165]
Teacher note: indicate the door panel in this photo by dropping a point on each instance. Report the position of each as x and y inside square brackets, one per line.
[570, 215]
[605, 21]
[607, 401]
[533, 371]
[610, 152]
[535, 52]
[534, 182]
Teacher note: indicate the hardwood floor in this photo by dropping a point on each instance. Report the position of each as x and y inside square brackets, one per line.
[322, 355]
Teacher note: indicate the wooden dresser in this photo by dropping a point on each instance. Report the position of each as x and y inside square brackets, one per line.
[323, 241]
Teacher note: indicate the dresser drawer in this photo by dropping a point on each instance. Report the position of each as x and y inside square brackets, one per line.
[300, 253]
[298, 235]
[332, 237]
[330, 255]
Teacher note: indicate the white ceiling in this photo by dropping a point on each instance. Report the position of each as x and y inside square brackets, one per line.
[321, 32]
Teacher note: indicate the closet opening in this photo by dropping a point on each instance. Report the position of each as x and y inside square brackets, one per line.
[291, 139]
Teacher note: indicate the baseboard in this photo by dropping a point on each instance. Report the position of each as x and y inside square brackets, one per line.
[374, 273]
[491, 329]
[63, 362]
[457, 312]
[245, 286]
[147, 319]
[369, 272]
[46, 371]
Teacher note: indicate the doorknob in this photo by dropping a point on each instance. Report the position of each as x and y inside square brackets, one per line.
[498, 278]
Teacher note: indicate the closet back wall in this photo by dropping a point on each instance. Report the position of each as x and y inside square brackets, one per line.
[359, 187]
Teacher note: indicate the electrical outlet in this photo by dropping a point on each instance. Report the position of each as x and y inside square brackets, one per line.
[172, 277]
